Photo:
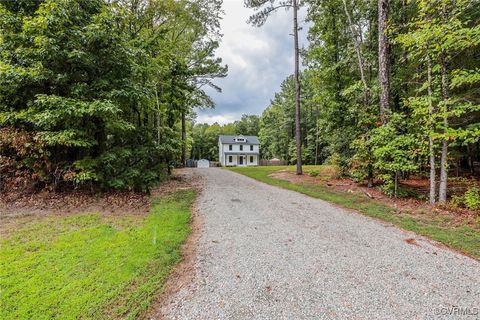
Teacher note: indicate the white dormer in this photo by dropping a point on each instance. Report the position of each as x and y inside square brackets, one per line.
[240, 139]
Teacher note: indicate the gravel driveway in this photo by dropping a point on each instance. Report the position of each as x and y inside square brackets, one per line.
[270, 253]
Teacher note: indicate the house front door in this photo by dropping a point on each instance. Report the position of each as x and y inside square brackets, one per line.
[240, 160]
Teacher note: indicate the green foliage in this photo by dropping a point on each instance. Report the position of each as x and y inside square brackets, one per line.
[292, 153]
[102, 87]
[84, 171]
[313, 173]
[393, 151]
[248, 125]
[92, 266]
[277, 125]
[121, 168]
[205, 139]
[362, 163]
[472, 198]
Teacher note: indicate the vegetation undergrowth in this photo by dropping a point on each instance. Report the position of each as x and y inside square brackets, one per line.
[92, 266]
[463, 235]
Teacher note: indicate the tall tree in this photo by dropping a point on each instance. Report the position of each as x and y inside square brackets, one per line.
[383, 59]
[357, 39]
[248, 125]
[266, 7]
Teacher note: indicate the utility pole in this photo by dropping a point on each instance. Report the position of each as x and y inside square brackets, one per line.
[265, 8]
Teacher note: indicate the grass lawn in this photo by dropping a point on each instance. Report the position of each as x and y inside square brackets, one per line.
[463, 235]
[91, 266]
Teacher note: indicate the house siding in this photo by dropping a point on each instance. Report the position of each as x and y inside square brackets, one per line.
[235, 153]
[246, 148]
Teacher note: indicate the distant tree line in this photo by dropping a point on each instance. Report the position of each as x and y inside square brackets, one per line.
[205, 137]
[98, 93]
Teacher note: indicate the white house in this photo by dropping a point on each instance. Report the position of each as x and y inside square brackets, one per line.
[238, 150]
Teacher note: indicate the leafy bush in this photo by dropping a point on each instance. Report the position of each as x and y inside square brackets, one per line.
[361, 165]
[471, 198]
[313, 173]
[340, 163]
[331, 172]
[393, 152]
[388, 187]
[456, 201]
[24, 159]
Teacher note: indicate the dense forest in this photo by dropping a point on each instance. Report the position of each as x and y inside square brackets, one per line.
[101, 93]
[389, 89]
[397, 84]
[97, 93]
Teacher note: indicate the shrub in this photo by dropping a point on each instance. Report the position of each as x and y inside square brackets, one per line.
[339, 163]
[457, 201]
[313, 173]
[24, 160]
[471, 198]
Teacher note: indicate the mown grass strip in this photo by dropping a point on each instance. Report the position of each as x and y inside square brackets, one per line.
[461, 235]
[89, 266]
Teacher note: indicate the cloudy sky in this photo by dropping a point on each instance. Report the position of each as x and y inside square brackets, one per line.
[258, 58]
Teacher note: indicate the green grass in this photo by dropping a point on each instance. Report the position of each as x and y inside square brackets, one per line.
[463, 235]
[90, 266]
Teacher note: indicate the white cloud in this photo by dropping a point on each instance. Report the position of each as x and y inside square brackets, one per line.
[259, 59]
[211, 119]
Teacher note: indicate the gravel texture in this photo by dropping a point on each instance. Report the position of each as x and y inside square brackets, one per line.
[270, 253]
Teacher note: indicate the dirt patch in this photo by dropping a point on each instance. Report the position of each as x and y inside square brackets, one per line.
[293, 178]
[182, 275]
[412, 242]
[410, 204]
[18, 209]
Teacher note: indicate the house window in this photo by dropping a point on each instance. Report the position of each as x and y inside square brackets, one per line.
[251, 159]
[251, 147]
[230, 147]
[241, 147]
[229, 158]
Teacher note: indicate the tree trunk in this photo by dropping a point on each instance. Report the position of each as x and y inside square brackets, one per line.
[370, 176]
[383, 60]
[431, 147]
[316, 135]
[298, 139]
[184, 140]
[431, 152]
[396, 184]
[157, 118]
[470, 161]
[358, 49]
[442, 193]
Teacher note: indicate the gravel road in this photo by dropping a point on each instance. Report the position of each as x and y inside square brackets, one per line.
[270, 253]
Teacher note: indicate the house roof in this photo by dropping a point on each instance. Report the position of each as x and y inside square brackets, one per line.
[231, 139]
